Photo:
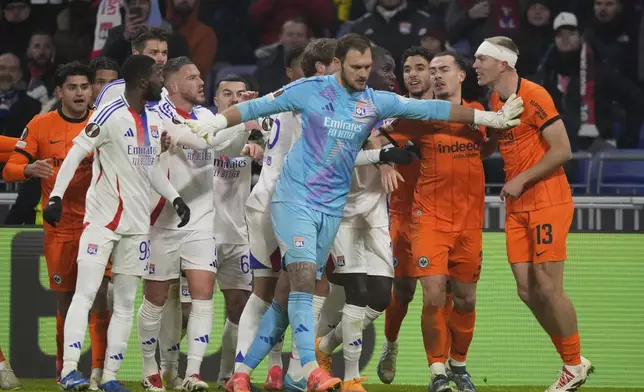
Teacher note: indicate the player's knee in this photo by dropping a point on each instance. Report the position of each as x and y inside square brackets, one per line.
[235, 303]
[548, 291]
[302, 276]
[525, 294]
[379, 287]
[404, 291]
[355, 288]
[465, 302]
[434, 295]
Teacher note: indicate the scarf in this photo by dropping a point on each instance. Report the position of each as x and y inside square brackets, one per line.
[107, 17]
[587, 92]
[505, 13]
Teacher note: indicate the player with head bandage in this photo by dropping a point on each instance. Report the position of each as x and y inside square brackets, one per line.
[124, 137]
[539, 204]
[311, 193]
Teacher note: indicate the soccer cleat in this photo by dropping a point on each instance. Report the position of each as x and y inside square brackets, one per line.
[8, 379]
[172, 381]
[222, 383]
[324, 360]
[387, 363]
[440, 383]
[239, 382]
[354, 385]
[95, 379]
[462, 380]
[570, 381]
[274, 379]
[291, 385]
[113, 386]
[73, 381]
[194, 383]
[321, 381]
[153, 383]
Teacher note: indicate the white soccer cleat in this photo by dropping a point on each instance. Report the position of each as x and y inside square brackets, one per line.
[172, 381]
[194, 383]
[153, 383]
[95, 379]
[387, 364]
[8, 379]
[570, 380]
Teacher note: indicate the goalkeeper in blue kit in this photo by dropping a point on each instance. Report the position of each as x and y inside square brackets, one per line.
[338, 113]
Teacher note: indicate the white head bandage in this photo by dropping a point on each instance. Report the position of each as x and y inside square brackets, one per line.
[498, 52]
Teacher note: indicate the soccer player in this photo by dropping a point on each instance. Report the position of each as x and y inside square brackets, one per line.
[124, 137]
[264, 256]
[361, 254]
[312, 190]
[104, 70]
[539, 205]
[152, 43]
[45, 143]
[451, 165]
[8, 379]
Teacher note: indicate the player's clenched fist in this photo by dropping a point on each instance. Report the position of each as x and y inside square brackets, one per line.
[54, 210]
[254, 151]
[39, 169]
[182, 210]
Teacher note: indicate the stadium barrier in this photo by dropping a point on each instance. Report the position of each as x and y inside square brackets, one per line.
[603, 277]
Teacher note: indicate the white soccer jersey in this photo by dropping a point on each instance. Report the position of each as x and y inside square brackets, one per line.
[115, 89]
[190, 172]
[286, 129]
[125, 144]
[231, 184]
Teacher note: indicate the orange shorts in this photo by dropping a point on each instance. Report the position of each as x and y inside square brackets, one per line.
[538, 236]
[61, 254]
[455, 254]
[400, 232]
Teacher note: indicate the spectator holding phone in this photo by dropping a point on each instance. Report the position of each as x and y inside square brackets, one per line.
[135, 21]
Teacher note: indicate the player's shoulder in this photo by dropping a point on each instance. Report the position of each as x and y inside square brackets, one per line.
[108, 111]
[313, 81]
[202, 112]
[532, 90]
[473, 104]
[115, 87]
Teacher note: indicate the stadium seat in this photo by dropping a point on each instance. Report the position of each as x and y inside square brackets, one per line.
[621, 172]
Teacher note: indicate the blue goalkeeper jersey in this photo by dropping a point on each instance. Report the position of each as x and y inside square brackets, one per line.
[335, 124]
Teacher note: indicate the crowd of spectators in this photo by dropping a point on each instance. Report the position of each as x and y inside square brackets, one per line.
[589, 54]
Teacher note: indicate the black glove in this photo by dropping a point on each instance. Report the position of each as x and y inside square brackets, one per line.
[414, 150]
[396, 155]
[52, 213]
[182, 210]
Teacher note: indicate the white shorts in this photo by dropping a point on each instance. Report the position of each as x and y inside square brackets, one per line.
[233, 267]
[363, 251]
[265, 257]
[176, 250]
[131, 253]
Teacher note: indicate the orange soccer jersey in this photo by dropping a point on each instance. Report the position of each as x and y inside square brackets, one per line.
[523, 146]
[50, 136]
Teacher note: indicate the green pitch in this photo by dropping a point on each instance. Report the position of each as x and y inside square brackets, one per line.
[50, 386]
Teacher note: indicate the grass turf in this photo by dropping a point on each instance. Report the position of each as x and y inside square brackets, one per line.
[50, 385]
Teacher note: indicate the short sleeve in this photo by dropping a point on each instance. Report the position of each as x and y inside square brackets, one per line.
[541, 108]
[27, 144]
[96, 131]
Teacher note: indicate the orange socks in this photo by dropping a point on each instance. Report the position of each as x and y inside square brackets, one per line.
[60, 341]
[98, 324]
[1, 356]
[570, 350]
[461, 326]
[394, 316]
[434, 331]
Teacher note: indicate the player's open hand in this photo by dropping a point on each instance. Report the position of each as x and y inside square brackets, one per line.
[166, 141]
[203, 130]
[253, 150]
[389, 177]
[508, 116]
[182, 210]
[39, 169]
[54, 210]
[512, 189]
[248, 95]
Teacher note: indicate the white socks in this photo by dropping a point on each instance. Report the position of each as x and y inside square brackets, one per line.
[352, 320]
[90, 276]
[148, 331]
[318, 303]
[118, 333]
[437, 369]
[249, 323]
[170, 332]
[199, 329]
[330, 314]
[369, 316]
[228, 343]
